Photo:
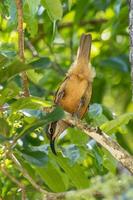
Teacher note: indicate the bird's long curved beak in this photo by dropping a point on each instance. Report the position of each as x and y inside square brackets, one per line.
[55, 129]
[52, 145]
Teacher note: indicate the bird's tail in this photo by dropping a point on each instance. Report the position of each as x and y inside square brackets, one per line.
[84, 48]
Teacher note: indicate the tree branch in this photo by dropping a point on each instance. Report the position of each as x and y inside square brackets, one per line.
[107, 142]
[99, 136]
[19, 6]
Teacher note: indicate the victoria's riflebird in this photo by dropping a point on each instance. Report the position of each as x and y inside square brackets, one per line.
[75, 91]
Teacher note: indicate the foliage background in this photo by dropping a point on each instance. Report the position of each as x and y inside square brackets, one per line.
[52, 30]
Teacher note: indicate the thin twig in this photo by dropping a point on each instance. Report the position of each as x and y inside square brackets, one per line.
[31, 47]
[19, 6]
[25, 174]
[13, 179]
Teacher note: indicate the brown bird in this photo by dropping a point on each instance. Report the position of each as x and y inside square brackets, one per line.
[75, 91]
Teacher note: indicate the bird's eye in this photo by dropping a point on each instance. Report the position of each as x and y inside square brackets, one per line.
[51, 130]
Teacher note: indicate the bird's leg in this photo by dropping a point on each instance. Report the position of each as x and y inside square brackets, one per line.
[81, 104]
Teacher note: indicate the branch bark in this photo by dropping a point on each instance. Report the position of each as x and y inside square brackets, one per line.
[19, 6]
[107, 142]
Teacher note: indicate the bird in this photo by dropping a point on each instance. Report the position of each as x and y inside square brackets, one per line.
[74, 93]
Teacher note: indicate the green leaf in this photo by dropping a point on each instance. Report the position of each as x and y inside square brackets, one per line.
[116, 63]
[98, 155]
[8, 53]
[113, 125]
[70, 4]
[53, 177]
[32, 26]
[80, 12]
[4, 127]
[9, 92]
[109, 162]
[11, 67]
[37, 158]
[3, 60]
[74, 172]
[54, 116]
[12, 13]
[29, 103]
[41, 63]
[117, 6]
[82, 138]
[3, 138]
[30, 169]
[33, 6]
[30, 10]
[95, 110]
[95, 115]
[72, 152]
[54, 9]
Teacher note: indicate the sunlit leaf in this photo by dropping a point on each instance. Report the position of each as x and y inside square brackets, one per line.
[113, 125]
[109, 162]
[70, 4]
[33, 6]
[54, 9]
[30, 9]
[30, 103]
[10, 67]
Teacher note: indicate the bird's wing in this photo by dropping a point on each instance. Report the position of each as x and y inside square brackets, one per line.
[86, 100]
[60, 93]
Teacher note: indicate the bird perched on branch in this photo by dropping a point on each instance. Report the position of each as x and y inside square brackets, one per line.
[75, 91]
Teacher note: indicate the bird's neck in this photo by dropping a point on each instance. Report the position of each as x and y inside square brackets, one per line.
[81, 67]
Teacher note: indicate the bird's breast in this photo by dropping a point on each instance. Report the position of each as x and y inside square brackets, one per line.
[74, 90]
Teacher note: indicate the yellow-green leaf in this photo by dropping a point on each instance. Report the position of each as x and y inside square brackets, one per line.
[54, 9]
[112, 125]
